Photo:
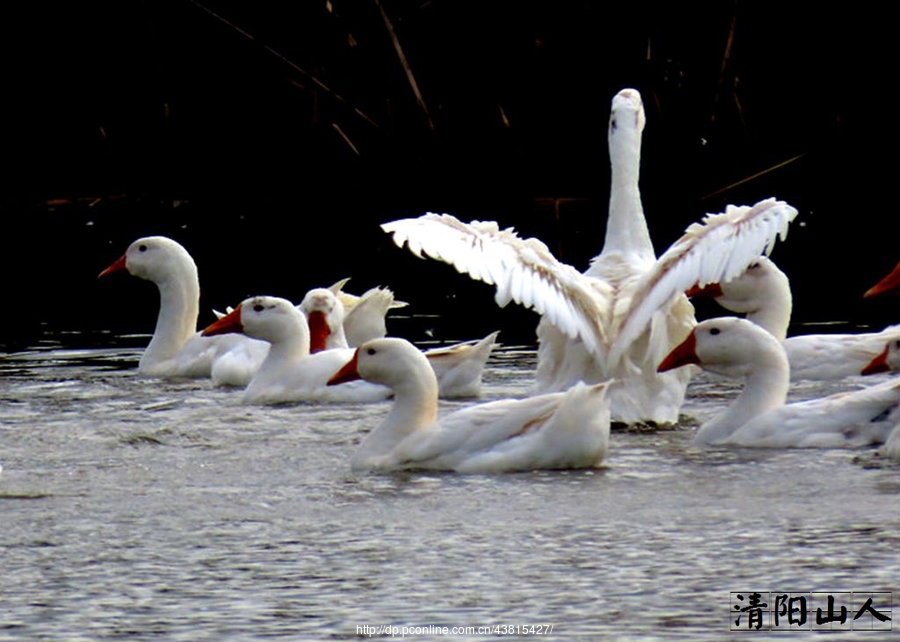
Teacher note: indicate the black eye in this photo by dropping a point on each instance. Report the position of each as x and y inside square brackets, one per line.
[753, 266]
[612, 124]
[715, 331]
[897, 344]
[142, 248]
[258, 307]
[371, 351]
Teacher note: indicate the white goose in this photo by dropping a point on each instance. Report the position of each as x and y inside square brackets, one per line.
[552, 431]
[289, 372]
[763, 293]
[617, 320]
[177, 349]
[890, 358]
[366, 320]
[738, 348]
[327, 317]
[459, 367]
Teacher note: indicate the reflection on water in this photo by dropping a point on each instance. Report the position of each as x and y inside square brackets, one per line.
[137, 508]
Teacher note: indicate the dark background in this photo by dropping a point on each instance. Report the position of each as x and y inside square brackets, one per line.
[272, 138]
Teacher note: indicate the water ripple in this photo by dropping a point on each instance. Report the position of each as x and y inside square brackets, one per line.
[135, 508]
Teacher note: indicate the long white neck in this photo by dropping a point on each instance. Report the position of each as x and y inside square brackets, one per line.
[179, 309]
[626, 227]
[415, 406]
[765, 387]
[288, 347]
[773, 317]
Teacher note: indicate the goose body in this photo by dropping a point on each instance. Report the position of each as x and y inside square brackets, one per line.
[763, 293]
[551, 431]
[759, 417]
[177, 349]
[619, 318]
[459, 367]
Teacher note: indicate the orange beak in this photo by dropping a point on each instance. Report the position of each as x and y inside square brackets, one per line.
[231, 322]
[117, 266]
[711, 290]
[685, 353]
[878, 364]
[349, 372]
[890, 283]
[318, 331]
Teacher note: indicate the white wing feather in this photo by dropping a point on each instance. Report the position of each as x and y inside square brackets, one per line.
[522, 270]
[716, 250]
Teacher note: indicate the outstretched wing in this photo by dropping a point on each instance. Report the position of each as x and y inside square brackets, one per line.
[716, 250]
[523, 270]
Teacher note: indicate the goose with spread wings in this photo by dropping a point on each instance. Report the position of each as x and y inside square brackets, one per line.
[618, 319]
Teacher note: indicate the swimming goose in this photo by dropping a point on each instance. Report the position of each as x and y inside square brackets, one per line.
[619, 318]
[365, 321]
[289, 372]
[177, 349]
[763, 293]
[331, 326]
[758, 417]
[556, 430]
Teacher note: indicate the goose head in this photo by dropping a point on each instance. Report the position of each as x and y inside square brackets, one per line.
[728, 346]
[887, 361]
[750, 291]
[388, 361]
[627, 113]
[762, 292]
[325, 315]
[889, 284]
[155, 258]
[267, 318]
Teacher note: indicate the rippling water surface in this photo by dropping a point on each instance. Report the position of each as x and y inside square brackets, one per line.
[135, 508]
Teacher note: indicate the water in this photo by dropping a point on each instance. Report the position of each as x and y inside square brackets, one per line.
[136, 508]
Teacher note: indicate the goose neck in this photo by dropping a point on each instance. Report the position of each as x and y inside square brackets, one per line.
[179, 309]
[626, 229]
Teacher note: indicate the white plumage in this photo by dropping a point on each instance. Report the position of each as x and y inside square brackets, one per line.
[364, 315]
[559, 430]
[289, 372]
[459, 367]
[758, 417]
[619, 318]
[177, 349]
[763, 293]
